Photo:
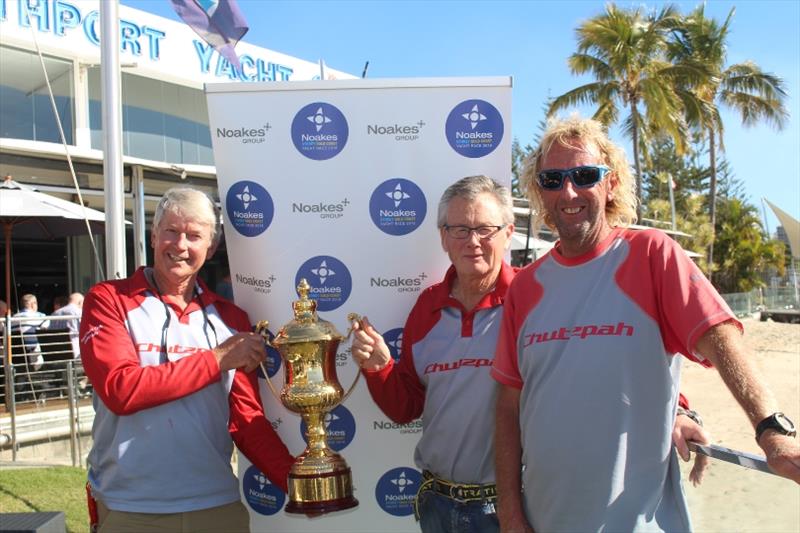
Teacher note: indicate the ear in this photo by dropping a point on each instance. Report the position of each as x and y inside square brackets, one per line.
[612, 186]
[509, 232]
[442, 236]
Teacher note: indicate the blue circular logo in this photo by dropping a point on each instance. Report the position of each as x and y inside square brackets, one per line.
[340, 427]
[397, 206]
[319, 131]
[329, 279]
[261, 495]
[394, 340]
[273, 362]
[474, 128]
[396, 490]
[250, 208]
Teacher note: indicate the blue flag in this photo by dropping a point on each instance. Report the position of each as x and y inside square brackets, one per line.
[217, 22]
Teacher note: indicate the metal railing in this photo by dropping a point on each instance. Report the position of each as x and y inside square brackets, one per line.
[45, 393]
[747, 303]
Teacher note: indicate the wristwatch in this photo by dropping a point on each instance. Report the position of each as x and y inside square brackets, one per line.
[777, 421]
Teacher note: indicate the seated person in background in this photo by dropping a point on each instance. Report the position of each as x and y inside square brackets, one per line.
[27, 329]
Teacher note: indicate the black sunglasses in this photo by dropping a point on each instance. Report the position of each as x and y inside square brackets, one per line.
[581, 177]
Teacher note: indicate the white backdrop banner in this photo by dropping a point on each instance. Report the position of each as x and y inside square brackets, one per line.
[338, 182]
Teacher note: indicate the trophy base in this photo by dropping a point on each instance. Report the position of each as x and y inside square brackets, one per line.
[320, 493]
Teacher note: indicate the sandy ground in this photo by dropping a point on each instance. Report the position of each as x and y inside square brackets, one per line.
[732, 498]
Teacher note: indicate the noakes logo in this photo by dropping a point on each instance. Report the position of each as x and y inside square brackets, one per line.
[245, 135]
[325, 210]
[399, 283]
[397, 206]
[399, 132]
[387, 425]
[474, 128]
[394, 341]
[329, 279]
[262, 496]
[396, 490]
[319, 131]
[255, 283]
[340, 428]
[250, 208]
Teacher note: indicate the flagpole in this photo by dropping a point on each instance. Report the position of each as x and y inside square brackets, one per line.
[116, 266]
[671, 186]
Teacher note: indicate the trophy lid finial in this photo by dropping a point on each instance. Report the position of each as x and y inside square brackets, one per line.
[304, 308]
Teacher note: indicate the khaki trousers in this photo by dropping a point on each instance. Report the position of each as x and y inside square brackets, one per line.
[232, 518]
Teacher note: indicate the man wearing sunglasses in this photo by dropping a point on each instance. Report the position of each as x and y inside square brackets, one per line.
[590, 350]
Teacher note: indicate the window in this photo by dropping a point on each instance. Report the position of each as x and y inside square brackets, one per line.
[25, 109]
[161, 121]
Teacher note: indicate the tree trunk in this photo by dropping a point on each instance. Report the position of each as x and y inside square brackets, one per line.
[712, 198]
[637, 166]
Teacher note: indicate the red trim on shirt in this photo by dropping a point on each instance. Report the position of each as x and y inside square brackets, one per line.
[125, 387]
[523, 295]
[396, 388]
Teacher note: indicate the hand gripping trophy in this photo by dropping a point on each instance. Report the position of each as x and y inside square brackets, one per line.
[320, 480]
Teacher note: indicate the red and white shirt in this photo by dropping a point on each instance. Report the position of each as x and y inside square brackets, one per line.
[443, 375]
[591, 342]
[162, 430]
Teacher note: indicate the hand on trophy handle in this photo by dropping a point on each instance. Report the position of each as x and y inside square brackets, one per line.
[243, 350]
[369, 350]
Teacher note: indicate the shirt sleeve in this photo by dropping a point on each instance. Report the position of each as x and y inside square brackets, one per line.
[683, 302]
[523, 295]
[253, 434]
[396, 388]
[248, 426]
[112, 364]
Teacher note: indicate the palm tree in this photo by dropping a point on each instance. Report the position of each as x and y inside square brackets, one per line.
[625, 50]
[756, 95]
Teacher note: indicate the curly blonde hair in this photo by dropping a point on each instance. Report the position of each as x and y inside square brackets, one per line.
[621, 210]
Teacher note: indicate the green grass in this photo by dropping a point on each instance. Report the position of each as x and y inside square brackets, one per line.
[58, 488]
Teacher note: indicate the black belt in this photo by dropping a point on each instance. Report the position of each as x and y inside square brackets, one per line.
[460, 492]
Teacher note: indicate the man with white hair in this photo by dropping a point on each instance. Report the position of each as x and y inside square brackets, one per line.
[172, 365]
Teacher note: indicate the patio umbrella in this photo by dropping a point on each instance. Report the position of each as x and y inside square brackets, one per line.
[30, 214]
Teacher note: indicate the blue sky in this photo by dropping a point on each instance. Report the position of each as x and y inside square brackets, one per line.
[530, 41]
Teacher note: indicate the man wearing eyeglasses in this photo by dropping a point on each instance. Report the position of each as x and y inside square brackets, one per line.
[172, 365]
[447, 351]
[588, 356]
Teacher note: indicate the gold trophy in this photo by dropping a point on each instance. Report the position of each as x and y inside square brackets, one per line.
[320, 480]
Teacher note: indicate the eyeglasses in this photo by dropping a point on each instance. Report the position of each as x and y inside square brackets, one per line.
[463, 232]
[581, 177]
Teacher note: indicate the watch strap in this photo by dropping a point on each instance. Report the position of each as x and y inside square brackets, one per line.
[771, 422]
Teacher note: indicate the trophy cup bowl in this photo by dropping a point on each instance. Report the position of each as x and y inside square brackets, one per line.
[319, 480]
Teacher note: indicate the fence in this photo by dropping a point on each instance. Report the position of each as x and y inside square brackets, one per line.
[747, 303]
[45, 394]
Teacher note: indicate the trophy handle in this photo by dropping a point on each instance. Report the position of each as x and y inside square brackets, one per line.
[351, 317]
[261, 329]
